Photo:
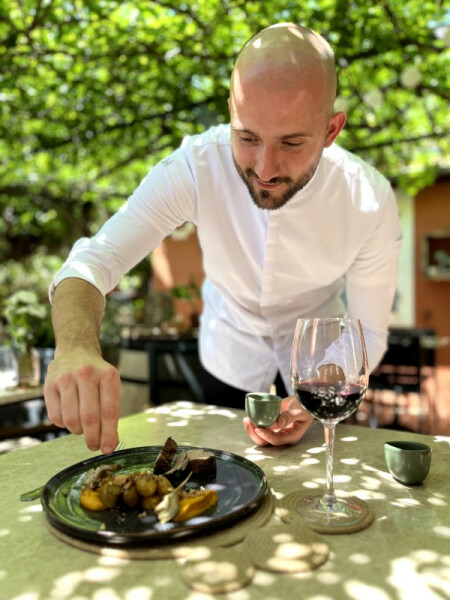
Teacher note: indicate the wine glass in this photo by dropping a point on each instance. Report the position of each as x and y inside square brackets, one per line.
[329, 375]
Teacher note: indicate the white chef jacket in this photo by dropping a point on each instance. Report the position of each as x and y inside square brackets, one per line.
[264, 269]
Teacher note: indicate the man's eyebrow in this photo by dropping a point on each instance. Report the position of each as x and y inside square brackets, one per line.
[243, 130]
[296, 135]
[287, 136]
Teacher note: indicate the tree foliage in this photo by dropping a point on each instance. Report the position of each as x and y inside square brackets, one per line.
[94, 92]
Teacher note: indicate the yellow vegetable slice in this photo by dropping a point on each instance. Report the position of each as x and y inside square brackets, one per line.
[90, 499]
[196, 505]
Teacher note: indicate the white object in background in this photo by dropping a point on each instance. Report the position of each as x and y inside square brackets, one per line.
[9, 374]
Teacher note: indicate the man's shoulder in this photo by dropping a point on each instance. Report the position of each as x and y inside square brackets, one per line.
[352, 167]
[216, 136]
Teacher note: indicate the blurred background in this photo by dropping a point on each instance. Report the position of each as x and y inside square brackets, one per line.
[94, 92]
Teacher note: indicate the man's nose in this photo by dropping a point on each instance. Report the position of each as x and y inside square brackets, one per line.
[267, 163]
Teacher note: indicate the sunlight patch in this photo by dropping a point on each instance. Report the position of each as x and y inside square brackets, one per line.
[310, 461]
[278, 495]
[105, 594]
[161, 581]
[223, 412]
[317, 450]
[341, 478]
[442, 531]
[254, 450]
[263, 578]
[112, 561]
[317, 597]
[358, 590]
[328, 578]
[370, 468]
[442, 438]
[25, 518]
[425, 556]
[406, 502]
[64, 586]
[369, 495]
[100, 574]
[406, 575]
[437, 501]
[259, 458]
[359, 559]
[139, 593]
[371, 483]
[33, 508]
[28, 596]
[311, 485]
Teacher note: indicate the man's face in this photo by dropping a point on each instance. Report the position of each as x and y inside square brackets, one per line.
[277, 139]
[275, 192]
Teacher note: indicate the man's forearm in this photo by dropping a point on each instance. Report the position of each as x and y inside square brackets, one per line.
[77, 311]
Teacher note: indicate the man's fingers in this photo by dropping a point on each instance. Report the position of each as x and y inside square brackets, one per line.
[109, 409]
[68, 393]
[82, 393]
[53, 404]
[250, 429]
[88, 394]
[291, 416]
[291, 425]
[292, 411]
[289, 402]
[289, 435]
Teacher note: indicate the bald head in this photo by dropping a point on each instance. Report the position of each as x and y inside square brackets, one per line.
[286, 56]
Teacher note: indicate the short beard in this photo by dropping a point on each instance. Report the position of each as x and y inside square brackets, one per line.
[267, 200]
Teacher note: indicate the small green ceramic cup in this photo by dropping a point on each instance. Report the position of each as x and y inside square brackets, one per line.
[408, 462]
[262, 409]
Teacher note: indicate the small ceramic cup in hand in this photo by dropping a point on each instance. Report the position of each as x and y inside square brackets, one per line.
[408, 462]
[262, 409]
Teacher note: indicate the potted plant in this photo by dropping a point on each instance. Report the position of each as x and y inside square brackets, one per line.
[27, 325]
[188, 295]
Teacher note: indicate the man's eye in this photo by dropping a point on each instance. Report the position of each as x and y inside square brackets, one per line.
[293, 144]
[247, 139]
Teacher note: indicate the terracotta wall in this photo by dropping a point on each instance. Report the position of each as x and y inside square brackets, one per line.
[179, 262]
[432, 213]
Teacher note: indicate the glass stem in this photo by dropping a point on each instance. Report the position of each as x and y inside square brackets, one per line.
[329, 497]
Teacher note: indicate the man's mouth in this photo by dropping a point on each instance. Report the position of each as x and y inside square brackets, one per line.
[268, 185]
[264, 185]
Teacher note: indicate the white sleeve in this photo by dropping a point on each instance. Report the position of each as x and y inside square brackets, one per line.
[164, 200]
[372, 279]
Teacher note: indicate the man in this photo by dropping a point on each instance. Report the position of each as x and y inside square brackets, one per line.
[284, 218]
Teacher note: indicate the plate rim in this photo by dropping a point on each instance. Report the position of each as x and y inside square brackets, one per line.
[171, 535]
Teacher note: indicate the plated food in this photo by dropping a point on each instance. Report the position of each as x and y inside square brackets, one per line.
[239, 483]
[108, 487]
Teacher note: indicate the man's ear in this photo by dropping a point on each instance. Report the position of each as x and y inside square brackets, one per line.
[335, 126]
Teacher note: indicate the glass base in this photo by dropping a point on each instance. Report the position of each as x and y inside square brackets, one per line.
[341, 514]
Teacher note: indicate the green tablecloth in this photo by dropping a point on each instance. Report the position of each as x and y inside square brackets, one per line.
[404, 554]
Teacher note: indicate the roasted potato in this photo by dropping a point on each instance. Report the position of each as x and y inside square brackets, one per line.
[130, 496]
[110, 493]
[164, 485]
[146, 485]
[149, 502]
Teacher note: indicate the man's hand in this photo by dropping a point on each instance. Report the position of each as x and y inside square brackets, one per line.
[82, 394]
[289, 428]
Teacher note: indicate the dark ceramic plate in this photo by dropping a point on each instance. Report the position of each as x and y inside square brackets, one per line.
[239, 483]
